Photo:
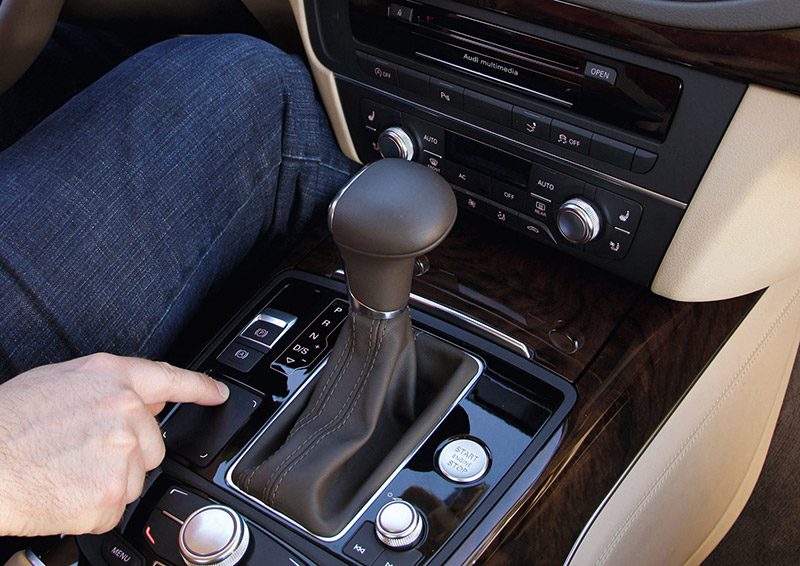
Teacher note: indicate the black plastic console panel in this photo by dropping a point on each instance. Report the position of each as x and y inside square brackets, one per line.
[513, 408]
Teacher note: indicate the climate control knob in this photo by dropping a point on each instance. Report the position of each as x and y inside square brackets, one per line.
[398, 525]
[395, 142]
[214, 535]
[578, 221]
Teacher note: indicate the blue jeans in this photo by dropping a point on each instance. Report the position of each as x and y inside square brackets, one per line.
[122, 209]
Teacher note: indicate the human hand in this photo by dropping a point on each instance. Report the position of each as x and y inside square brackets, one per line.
[76, 439]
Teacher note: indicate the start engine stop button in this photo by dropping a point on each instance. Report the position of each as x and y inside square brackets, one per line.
[463, 460]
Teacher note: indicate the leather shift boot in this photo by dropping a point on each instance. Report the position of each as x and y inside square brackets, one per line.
[381, 393]
[362, 403]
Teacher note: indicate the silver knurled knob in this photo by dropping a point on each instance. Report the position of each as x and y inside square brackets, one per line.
[578, 221]
[213, 536]
[395, 142]
[398, 525]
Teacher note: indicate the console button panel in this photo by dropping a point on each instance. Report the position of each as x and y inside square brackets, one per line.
[511, 411]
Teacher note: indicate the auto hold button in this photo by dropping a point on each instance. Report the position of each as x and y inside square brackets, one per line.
[463, 460]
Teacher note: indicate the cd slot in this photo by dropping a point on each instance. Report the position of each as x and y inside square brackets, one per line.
[504, 71]
[482, 33]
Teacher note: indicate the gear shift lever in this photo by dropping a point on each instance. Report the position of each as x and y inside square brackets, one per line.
[387, 216]
[361, 419]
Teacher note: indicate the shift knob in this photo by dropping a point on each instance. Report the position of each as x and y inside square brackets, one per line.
[390, 213]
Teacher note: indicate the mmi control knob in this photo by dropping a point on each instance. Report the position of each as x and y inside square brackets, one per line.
[214, 535]
[578, 221]
[398, 525]
[395, 142]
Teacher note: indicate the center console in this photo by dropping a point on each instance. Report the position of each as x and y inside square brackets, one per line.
[269, 356]
[357, 431]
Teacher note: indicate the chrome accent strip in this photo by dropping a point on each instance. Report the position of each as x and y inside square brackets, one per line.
[171, 516]
[354, 520]
[526, 90]
[512, 343]
[369, 312]
[541, 152]
[32, 558]
[340, 194]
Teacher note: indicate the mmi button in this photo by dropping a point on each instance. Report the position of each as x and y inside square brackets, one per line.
[364, 547]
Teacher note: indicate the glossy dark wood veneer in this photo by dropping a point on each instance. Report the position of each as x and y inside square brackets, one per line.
[771, 58]
[639, 354]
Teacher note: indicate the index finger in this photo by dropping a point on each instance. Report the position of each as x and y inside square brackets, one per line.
[160, 382]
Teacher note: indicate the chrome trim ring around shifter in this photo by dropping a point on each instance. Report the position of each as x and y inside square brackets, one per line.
[364, 310]
[506, 341]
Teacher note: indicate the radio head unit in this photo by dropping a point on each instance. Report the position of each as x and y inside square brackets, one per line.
[629, 96]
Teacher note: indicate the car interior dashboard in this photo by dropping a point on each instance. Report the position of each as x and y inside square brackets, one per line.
[604, 336]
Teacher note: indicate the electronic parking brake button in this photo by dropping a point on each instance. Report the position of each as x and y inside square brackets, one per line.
[267, 328]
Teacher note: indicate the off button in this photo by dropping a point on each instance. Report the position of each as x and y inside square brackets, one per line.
[463, 460]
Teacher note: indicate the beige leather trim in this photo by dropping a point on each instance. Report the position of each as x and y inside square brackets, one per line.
[741, 230]
[326, 85]
[683, 492]
[18, 559]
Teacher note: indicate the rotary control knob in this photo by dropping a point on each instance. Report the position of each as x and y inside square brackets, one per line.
[398, 525]
[395, 142]
[214, 535]
[578, 221]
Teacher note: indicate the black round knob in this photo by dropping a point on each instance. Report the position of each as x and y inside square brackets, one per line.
[389, 214]
[578, 221]
[395, 142]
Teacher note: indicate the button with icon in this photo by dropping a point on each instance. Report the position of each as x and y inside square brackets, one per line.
[242, 357]
[570, 137]
[531, 123]
[376, 116]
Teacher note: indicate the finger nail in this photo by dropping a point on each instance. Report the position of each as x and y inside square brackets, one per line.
[223, 390]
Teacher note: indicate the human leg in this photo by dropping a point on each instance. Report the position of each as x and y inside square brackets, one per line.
[125, 206]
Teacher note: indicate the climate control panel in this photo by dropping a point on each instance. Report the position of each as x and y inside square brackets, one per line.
[583, 212]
